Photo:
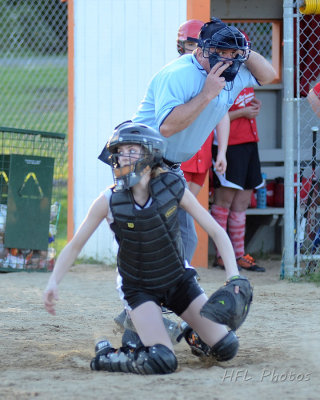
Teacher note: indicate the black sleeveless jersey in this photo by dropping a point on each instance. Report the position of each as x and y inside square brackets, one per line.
[150, 252]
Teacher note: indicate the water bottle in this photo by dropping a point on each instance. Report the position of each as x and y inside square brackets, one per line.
[262, 193]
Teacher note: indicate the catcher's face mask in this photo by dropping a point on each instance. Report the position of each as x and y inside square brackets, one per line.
[227, 40]
[129, 164]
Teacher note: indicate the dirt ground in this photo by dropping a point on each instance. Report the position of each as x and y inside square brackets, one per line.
[48, 357]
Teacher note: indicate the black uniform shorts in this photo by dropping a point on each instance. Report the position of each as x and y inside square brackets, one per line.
[176, 299]
[243, 167]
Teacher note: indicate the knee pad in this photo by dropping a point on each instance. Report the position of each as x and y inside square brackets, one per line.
[157, 359]
[226, 348]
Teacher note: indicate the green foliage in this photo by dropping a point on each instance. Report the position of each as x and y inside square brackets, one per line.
[33, 26]
[34, 65]
[313, 277]
[35, 97]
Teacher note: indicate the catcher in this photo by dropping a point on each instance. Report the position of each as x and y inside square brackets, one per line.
[141, 209]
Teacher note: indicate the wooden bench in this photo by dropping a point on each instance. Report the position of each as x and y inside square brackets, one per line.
[272, 164]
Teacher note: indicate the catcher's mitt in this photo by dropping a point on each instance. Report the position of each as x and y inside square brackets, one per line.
[227, 307]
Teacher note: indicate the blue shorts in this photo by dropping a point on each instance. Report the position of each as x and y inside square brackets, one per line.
[176, 299]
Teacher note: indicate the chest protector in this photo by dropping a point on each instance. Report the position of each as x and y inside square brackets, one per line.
[150, 252]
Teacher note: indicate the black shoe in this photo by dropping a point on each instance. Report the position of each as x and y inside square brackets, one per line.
[102, 346]
[248, 263]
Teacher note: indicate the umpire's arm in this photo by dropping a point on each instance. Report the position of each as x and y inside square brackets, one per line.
[260, 68]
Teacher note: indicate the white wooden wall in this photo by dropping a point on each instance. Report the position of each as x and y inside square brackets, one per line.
[119, 45]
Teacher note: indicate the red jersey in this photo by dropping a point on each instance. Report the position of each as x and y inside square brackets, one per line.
[202, 160]
[243, 130]
[316, 89]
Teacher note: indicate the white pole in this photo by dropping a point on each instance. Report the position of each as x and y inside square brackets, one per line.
[288, 135]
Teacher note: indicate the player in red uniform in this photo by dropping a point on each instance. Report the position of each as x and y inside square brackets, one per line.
[314, 99]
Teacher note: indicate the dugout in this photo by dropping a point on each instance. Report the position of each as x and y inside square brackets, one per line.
[31, 172]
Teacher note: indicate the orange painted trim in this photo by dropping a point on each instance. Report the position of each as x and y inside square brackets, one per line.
[276, 50]
[200, 9]
[70, 219]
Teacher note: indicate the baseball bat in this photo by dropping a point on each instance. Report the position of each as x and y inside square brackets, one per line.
[303, 223]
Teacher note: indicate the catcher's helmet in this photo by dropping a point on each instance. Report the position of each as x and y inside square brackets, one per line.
[151, 156]
[187, 31]
[216, 34]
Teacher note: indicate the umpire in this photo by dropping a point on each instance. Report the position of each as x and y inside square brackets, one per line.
[190, 95]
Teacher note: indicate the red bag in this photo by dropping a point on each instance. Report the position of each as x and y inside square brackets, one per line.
[270, 194]
[279, 192]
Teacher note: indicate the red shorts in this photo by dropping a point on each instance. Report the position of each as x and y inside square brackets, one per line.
[195, 177]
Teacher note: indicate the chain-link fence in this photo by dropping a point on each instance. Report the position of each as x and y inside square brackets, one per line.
[307, 63]
[260, 36]
[33, 64]
[34, 105]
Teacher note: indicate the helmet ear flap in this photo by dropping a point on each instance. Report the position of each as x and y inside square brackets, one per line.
[105, 156]
[180, 47]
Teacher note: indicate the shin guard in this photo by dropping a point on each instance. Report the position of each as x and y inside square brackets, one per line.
[157, 359]
[226, 348]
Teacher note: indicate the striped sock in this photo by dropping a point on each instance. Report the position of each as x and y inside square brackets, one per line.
[220, 214]
[236, 230]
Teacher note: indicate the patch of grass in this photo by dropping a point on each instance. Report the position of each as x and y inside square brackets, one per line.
[61, 237]
[88, 260]
[35, 94]
[314, 277]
